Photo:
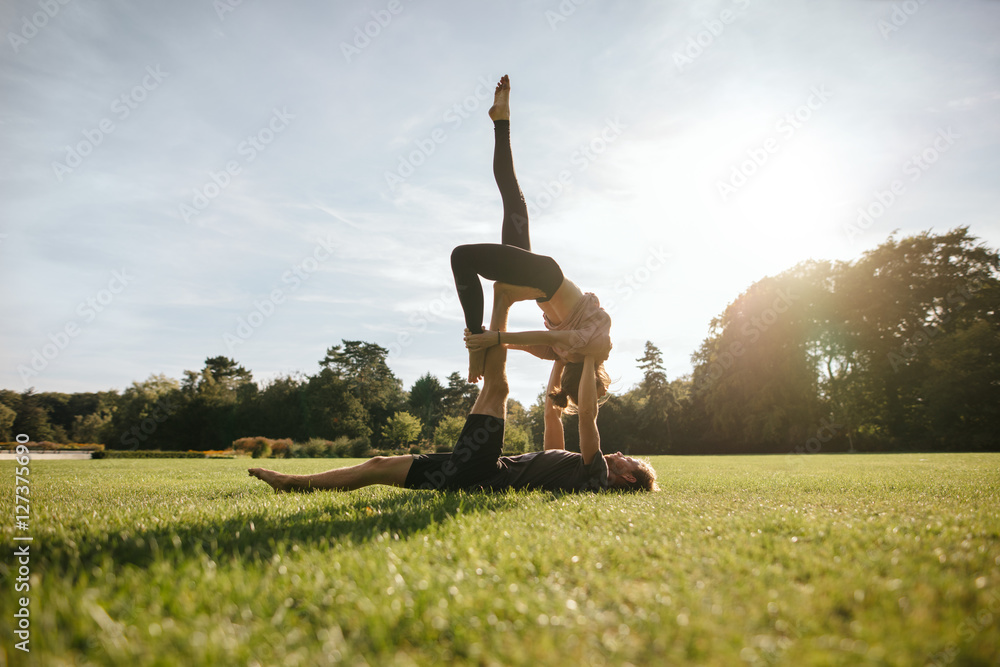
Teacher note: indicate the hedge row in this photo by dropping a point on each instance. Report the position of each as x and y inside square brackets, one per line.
[46, 446]
[146, 454]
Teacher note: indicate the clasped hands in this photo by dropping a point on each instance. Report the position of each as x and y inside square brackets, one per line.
[481, 341]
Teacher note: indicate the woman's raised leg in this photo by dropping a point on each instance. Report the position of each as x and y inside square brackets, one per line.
[515, 210]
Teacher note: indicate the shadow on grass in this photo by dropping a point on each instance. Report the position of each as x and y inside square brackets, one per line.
[257, 536]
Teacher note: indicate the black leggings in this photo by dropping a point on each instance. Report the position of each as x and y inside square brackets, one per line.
[511, 261]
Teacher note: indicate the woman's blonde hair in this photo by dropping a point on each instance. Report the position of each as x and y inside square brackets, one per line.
[569, 386]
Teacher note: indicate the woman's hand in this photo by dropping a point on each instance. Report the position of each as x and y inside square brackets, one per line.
[482, 341]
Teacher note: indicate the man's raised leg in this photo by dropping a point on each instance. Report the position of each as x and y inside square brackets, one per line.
[492, 399]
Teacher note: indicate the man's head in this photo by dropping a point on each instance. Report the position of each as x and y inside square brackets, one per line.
[629, 474]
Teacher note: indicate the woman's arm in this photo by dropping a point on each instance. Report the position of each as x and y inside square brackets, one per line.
[554, 437]
[590, 437]
[519, 338]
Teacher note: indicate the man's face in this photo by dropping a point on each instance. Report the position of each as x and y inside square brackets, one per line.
[621, 466]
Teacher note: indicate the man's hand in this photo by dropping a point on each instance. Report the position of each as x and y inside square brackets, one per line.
[482, 341]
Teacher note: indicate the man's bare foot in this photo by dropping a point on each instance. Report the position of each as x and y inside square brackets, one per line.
[280, 483]
[477, 364]
[501, 100]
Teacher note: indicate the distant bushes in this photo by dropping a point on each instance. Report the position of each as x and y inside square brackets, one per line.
[342, 447]
[262, 448]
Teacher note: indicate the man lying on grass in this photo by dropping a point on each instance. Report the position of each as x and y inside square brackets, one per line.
[476, 462]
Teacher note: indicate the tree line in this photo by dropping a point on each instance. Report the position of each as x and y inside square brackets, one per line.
[898, 349]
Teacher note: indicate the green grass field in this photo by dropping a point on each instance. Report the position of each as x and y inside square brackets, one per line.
[807, 560]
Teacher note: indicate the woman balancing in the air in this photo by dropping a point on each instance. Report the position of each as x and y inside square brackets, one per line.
[577, 326]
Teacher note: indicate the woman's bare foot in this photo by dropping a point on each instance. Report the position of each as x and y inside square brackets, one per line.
[501, 100]
[477, 364]
[280, 483]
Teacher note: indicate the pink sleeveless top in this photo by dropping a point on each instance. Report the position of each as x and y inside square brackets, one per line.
[591, 328]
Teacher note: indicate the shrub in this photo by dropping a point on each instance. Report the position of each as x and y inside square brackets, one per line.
[280, 447]
[360, 447]
[516, 440]
[447, 432]
[342, 447]
[262, 448]
[245, 445]
[401, 429]
[312, 448]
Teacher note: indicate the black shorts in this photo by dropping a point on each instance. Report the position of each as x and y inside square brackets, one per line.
[472, 462]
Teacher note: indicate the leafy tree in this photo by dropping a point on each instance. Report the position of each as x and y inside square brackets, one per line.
[146, 415]
[516, 440]
[363, 366]
[894, 307]
[962, 391]
[32, 419]
[209, 399]
[425, 401]
[447, 432]
[459, 396]
[92, 428]
[7, 417]
[756, 372]
[401, 429]
[332, 410]
[276, 410]
[654, 375]
[227, 373]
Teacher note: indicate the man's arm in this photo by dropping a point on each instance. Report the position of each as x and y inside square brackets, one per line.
[554, 437]
[590, 437]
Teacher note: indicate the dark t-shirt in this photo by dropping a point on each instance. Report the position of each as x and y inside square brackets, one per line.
[552, 470]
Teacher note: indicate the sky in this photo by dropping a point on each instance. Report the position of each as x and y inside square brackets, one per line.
[263, 180]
